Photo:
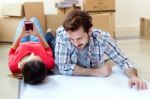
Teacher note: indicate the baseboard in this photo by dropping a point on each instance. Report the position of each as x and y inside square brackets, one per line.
[127, 30]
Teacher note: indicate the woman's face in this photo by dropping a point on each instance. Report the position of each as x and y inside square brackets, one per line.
[31, 57]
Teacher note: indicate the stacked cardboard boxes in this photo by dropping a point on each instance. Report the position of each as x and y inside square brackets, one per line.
[145, 28]
[54, 21]
[12, 9]
[63, 8]
[66, 6]
[8, 27]
[66, 10]
[99, 5]
[105, 22]
[35, 9]
[12, 13]
[103, 14]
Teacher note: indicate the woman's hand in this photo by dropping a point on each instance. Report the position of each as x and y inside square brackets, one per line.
[41, 38]
[24, 33]
[34, 32]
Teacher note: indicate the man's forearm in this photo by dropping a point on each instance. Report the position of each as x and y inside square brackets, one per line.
[131, 72]
[80, 71]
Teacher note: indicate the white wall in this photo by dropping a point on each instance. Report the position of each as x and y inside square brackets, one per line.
[128, 13]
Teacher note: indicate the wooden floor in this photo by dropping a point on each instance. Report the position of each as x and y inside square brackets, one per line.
[138, 51]
[8, 86]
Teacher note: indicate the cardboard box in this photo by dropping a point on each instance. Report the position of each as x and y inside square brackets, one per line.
[8, 27]
[102, 21]
[99, 5]
[145, 28]
[66, 10]
[12, 9]
[35, 9]
[54, 21]
[142, 26]
[60, 11]
[105, 22]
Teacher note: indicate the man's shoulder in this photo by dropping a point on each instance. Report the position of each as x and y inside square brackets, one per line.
[61, 36]
[61, 31]
[100, 35]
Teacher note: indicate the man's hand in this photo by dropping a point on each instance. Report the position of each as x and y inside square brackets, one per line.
[105, 71]
[134, 80]
[138, 83]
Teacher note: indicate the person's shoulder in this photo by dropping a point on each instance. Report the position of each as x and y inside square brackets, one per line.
[60, 30]
[61, 35]
[100, 35]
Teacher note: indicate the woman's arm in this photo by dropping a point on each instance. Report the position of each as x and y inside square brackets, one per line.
[41, 38]
[17, 41]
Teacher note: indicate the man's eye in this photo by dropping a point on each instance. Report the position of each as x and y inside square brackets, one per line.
[79, 38]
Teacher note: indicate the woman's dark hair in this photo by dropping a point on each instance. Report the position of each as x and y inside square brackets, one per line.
[76, 19]
[34, 72]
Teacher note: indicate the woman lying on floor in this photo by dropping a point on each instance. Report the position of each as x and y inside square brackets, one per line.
[30, 54]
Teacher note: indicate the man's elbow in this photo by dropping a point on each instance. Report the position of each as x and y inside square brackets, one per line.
[65, 72]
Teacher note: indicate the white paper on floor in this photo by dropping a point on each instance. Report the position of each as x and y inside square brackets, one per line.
[69, 87]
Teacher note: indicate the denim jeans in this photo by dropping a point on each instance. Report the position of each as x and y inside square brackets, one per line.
[51, 41]
[48, 36]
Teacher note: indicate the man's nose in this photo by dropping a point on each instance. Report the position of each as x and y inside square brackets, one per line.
[76, 43]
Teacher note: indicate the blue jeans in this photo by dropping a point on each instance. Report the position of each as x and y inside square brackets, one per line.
[48, 37]
[51, 41]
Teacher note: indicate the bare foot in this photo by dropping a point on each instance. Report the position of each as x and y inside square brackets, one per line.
[48, 30]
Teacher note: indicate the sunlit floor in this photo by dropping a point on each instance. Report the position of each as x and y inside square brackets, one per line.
[138, 50]
[8, 86]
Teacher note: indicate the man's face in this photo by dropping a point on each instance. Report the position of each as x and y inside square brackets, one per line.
[78, 38]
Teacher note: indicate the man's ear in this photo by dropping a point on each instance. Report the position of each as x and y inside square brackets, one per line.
[90, 31]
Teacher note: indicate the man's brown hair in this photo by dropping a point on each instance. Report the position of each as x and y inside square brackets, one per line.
[76, 19]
